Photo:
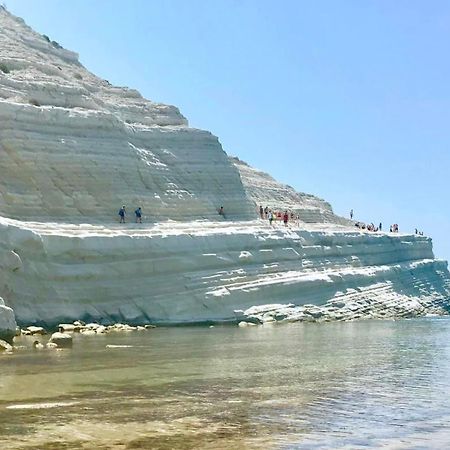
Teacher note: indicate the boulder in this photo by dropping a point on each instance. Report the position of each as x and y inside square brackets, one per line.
[68, 327]
[8, 324]
[62, 340]
[36, 330]
[5, 347]
[243, 324]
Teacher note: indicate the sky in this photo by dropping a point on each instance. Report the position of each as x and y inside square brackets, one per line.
[348, 100]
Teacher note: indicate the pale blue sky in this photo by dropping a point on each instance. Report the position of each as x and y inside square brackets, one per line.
[349, 100]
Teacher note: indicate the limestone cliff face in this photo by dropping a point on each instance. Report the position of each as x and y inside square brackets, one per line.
[190, 273]
[73, 149]
[72, 146]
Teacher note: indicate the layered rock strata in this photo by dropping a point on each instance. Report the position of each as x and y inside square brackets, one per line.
[75, 148]
[203, 272]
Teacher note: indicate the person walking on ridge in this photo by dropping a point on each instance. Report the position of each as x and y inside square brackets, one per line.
[138, 214]
[351, 214]
[122, 214]
[270, 216]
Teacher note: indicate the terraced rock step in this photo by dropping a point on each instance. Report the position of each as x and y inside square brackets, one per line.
[204, 271]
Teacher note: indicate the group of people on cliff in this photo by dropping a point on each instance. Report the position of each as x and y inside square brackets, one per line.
[394, 228]
[286, 216]
[123, 214]
[369, 227]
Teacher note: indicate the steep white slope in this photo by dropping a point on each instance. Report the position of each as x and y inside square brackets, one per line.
[264, 190]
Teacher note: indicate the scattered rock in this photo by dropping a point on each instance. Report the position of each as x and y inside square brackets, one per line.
[88, 332]
[5, 347]
[32, 330]
[316, 312]
[62, 340]
[246, 324]
[38, 345]
[68, 327]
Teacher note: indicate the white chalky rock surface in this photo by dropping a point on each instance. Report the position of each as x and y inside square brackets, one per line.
[74, 148]
[8, 323]
[89, 147]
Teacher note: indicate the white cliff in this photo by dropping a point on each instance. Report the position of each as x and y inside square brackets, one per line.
[73, 149]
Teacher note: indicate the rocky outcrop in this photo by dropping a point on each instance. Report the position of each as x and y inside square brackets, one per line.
[8, 324]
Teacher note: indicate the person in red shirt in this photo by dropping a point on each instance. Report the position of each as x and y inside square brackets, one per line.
[285, 218]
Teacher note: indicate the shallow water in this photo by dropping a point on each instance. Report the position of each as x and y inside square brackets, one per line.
[336, 385]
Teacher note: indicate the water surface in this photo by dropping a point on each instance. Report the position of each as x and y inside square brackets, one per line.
[335, 385]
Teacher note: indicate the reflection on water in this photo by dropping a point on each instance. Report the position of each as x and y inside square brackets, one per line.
[334, 385]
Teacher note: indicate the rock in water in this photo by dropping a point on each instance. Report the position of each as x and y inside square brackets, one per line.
[74, 149]
[62, 340]
[5, 346]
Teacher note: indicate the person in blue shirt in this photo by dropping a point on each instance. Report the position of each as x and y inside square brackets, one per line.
[138, 214]
[122, 214]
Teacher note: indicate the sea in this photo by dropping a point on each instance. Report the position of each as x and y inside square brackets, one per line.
[343, 385]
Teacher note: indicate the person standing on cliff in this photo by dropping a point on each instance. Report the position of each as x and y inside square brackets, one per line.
[138, 214]
[351, 214]
[122, 214]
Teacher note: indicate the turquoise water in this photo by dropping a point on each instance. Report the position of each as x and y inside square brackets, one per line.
[367, 384]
